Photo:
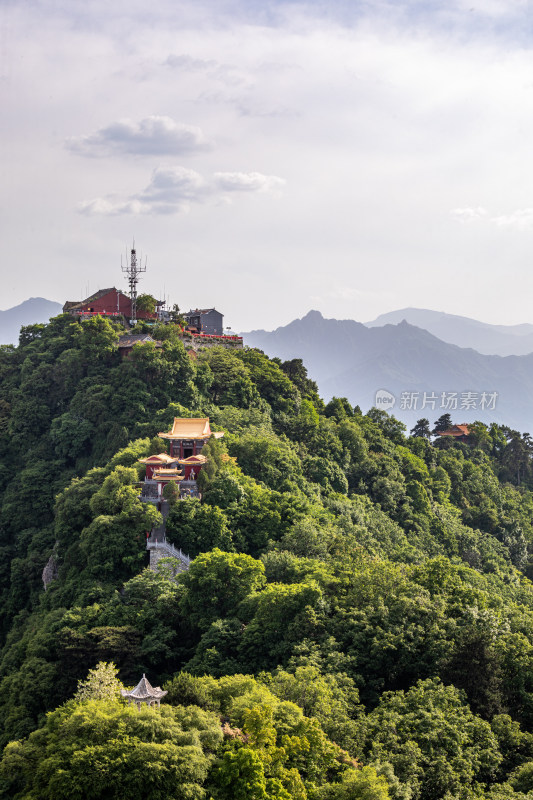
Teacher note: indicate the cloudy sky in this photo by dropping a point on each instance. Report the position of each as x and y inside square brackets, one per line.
[271, 157]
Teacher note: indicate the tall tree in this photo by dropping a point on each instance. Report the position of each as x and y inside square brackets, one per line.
[421, 430]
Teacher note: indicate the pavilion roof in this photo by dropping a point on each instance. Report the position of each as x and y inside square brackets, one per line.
[456, 430]
[199, 459]
[189, 428]
[160, 458]
[72, 304]
[144, 691]
[167, 475]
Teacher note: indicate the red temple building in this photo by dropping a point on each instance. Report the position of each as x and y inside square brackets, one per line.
[182, 467]
[457, 432]
[188, 436]
[157, 462]
[107, 303]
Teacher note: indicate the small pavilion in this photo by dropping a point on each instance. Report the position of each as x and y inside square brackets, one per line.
[184, 463]
[157, 462]
[144, 692]
[192, 466]
[188, 436]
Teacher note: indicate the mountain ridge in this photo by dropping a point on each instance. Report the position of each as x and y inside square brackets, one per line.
[463, 331]
[33, 311]
[347, 358]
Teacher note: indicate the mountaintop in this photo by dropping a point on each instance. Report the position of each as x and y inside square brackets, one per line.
[503, 340]
[33, 311]
[347, 358]
[355, 615]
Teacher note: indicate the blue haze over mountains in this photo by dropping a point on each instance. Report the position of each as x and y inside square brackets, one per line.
[31, 312]
[347, 358]
[406, 351]
[500, 340]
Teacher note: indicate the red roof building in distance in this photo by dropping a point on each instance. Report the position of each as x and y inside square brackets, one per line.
[105, 302]
[458, 432]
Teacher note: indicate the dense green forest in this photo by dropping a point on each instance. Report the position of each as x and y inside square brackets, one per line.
[357, 622]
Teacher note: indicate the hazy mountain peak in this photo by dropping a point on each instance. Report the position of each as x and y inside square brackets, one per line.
[503, 340]
[405, 360]
[30, 312]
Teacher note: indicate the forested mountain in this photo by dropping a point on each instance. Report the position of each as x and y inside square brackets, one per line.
[422, 372]
[501, 340]
[32, 311]
[357, 622]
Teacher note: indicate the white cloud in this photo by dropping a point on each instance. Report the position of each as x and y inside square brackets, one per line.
[174, 189]
[493, 8]
[469, 214]
[519, 220]
[225, 73]
[155, 135]
[379, 115]
[247, 182]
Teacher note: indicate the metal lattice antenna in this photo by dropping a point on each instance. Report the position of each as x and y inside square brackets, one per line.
[133, 270]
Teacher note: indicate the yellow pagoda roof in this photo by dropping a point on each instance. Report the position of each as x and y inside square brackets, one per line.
[167, 475]
[199, 459]
[160, 458]
[189, 428]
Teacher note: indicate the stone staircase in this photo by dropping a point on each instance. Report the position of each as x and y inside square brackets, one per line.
[165, 549]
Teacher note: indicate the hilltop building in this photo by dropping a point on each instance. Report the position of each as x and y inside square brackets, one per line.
[105, 302]
[181, 467]
[184, 462]
[205, 320]
[188, 436]
[204, 327]
[457, 432]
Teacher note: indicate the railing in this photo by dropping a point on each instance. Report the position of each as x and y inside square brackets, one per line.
[169, 548]
[103, 313]
[219, 336]
[223, 336]
[99, 313]
[149, 491]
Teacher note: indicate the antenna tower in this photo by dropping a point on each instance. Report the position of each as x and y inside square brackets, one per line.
[133, 270]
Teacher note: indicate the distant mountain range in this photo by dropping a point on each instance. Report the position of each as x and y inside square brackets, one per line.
[421, 362]
[30, 312]
[349, 359]
[501, 340]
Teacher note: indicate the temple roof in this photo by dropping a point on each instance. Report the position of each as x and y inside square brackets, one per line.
[199, 459]
[160, 458]
[456, 430]
[144, 691]
[72, 304]
[188, 428]
[167, 475]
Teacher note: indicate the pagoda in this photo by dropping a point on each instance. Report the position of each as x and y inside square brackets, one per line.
[160, 470]
[188, 436]
[144, 692]
[184, 463]
[182, 467]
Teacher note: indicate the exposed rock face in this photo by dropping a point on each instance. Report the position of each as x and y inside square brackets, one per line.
[50, 570]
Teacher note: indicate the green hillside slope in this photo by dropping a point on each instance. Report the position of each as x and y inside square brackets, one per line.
[357, 621]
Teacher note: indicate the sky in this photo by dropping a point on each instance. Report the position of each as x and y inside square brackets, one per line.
[271, 157]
